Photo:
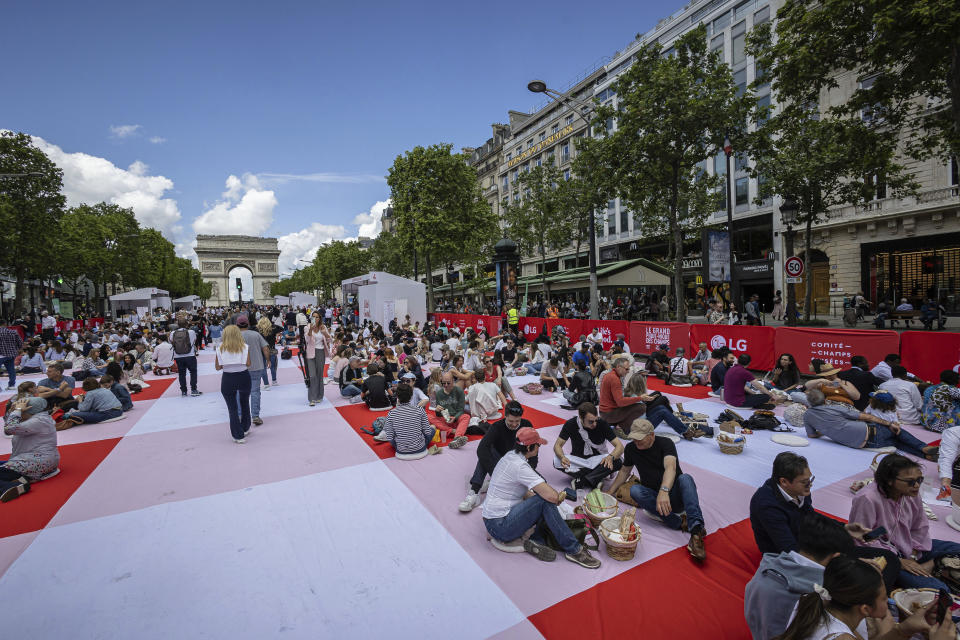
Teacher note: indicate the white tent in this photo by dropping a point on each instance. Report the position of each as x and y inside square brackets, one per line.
[300, 299]
[381, 297]
[281, 301]
[190, 303]
[148, 298]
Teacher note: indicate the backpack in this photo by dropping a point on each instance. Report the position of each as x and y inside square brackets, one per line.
[181, 342]
[762, 419]
[377, 427]
[286, 354]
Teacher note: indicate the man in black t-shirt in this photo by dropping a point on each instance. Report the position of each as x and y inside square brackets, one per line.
[376, 391]
[509, 352]
[664, 489]
[590, 439]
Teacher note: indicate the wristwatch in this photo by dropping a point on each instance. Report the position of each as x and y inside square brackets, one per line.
[667, 489]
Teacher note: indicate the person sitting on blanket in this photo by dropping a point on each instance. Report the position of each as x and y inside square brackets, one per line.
[107, 381]
[484, 400]
[583, 387]
[407, 428]
[553, 375]
[376, 391]
[499, 439]
[700, 364]
[779, 505]
[893, 501]
[143, 355]
[658, 409]
[448, 415]
[163, 358]
[782, 577]
[34, 453]
[98, 404]
[941, 403]
[32, 361]
[615, 408]
[680, 372]
[847, 426]
[664, 490]
[518, 499]
[658, 363]
[736, 382]
[786, 374]
[909, 400]
[590, 460]
[718, 372]
[56, 388]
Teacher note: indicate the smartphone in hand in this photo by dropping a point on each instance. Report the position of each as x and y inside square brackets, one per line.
[874, 534]
[943, 604]
[571, 494]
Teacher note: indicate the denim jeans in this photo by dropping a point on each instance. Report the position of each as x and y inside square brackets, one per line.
[534, 367]
[11, 370]
[534, 511]
[185, 363]
[939, 549]
[350, 391]
[884, 437]
[255, 376]
[683, 497]
[273, 369]
[661, 413]
[91, 417]
[235, 388]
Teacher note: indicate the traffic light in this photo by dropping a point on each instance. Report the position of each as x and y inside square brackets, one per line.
[239, 286]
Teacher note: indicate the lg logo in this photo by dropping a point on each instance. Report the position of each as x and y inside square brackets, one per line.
[735, 345]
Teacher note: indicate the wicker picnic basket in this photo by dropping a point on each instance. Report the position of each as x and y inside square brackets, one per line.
[621, 535]
[730, 439]
[599, 506]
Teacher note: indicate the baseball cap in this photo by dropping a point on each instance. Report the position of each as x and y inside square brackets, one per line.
[242, 320]
[664, 346]
[408, 376]
[528, 435]
[882, 396]
[640, 429]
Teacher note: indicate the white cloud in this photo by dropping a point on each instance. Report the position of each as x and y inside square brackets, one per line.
[303, 244]
[124, 130]
[339, 178]
[245, 209]
[89, 179]
[370, 224]
[157, 140]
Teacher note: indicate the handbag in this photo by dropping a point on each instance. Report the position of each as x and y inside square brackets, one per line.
[762, 419]
[622, 493]
[580, 527]
[659, 400]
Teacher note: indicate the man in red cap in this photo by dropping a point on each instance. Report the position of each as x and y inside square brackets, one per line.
[518, 498]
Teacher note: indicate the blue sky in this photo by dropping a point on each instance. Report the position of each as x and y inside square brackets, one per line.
[280, 118]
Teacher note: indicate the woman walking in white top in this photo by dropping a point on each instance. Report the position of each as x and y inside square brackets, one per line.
[233, 357]
[315, 351]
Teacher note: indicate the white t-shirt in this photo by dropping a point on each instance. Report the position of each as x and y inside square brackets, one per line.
[417, 397]
[909, 400]
[453, 343]
[511, 479]
[233, 362]
[831, 627]
[436, 352]
[678, 366]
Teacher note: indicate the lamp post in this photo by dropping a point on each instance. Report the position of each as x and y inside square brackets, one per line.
[586, 112]
[734, 298]
[788, 215]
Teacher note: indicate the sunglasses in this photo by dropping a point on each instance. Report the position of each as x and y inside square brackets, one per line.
[446, 384]
[911, 482]
[809, 481]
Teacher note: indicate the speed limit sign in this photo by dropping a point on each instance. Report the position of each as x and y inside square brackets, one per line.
[793, 266]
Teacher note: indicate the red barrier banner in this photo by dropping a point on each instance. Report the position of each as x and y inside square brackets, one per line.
[490, 323]
[574, 328]
[461, 321]
[609, 330]
[757, 341]
[532, 327]
[925, 353]
[835, 346]
[645, 337]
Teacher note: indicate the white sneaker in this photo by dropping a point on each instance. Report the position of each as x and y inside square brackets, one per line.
[485, 485]
[356, 400]
[240, 440]
[470, 502]
[713, 394]
[381, 437]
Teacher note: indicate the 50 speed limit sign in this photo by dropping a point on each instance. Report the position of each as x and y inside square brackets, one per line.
[793, 266]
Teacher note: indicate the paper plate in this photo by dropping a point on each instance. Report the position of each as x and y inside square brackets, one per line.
[908, 600]
[952, 521]
[670, 435]
[789, 440]
[882, 449]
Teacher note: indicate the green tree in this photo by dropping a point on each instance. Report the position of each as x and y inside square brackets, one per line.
[910, 51]
[439, 208]
[674, 112]
[540, 222]
[336, 262]
[388, 254]
[30, 207]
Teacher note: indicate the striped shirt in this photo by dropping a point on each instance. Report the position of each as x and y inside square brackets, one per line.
[408, 428]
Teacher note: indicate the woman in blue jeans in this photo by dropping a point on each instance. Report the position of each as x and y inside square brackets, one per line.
[233, 358]
[658, 410]
[518, 499]
[98, 404]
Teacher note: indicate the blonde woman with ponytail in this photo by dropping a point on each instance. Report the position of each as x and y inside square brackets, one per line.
[233, 358]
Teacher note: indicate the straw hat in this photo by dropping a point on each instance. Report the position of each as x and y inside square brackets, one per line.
[828, 370]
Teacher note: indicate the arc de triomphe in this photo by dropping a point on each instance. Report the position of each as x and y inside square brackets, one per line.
[219, 254]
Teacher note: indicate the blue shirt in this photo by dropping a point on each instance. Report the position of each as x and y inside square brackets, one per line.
[580, 356]
[50, 384]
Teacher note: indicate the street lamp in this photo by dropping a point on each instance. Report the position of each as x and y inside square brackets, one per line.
[586, 112]
[788, 215]
[734, 298]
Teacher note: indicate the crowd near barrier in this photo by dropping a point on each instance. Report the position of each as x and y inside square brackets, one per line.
[924, 353]
[75, 325]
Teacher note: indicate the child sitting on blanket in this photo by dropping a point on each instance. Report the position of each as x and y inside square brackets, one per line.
[884, 406]
[118, 390]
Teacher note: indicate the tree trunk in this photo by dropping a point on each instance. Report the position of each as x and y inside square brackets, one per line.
[19, 293]
[426, 259]
[677, 242]
[543, 275]
[807, 240]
